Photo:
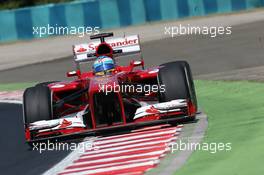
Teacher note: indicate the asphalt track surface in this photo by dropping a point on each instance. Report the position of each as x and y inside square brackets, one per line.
[16, 155]
[243, 49]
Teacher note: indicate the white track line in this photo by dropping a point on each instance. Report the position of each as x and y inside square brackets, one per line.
[151, 153]
[136, 133]
[11, 101]
[111, 155]
[132, 173]
[122, 151]
[151, 128]
[123, 139]
[117, 160]
[114, 168]
[116, 152]
[161, 139]
[138, 145]
[70, 170]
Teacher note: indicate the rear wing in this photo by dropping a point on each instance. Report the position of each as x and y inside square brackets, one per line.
[121, 46]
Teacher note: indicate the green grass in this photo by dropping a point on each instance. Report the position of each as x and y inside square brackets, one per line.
[15, 86]
[236, 115]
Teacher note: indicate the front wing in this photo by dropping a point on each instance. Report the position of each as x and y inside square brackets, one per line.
[72, 126]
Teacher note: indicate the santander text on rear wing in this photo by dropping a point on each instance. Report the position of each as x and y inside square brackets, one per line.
[121, 46]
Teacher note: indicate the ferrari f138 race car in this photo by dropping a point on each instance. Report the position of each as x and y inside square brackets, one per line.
[109, 96]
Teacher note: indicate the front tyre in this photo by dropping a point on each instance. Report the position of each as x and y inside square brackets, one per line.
[37, 104]
[176, 77]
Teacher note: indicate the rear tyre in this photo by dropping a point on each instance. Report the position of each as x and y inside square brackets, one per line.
[176, 77]
[37, 104]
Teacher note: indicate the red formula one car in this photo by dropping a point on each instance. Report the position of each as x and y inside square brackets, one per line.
[110, 97]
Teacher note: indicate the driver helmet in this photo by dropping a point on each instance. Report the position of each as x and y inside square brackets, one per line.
[103, 65]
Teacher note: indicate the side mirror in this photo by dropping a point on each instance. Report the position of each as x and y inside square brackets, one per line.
[72, 73]
[137, 63]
